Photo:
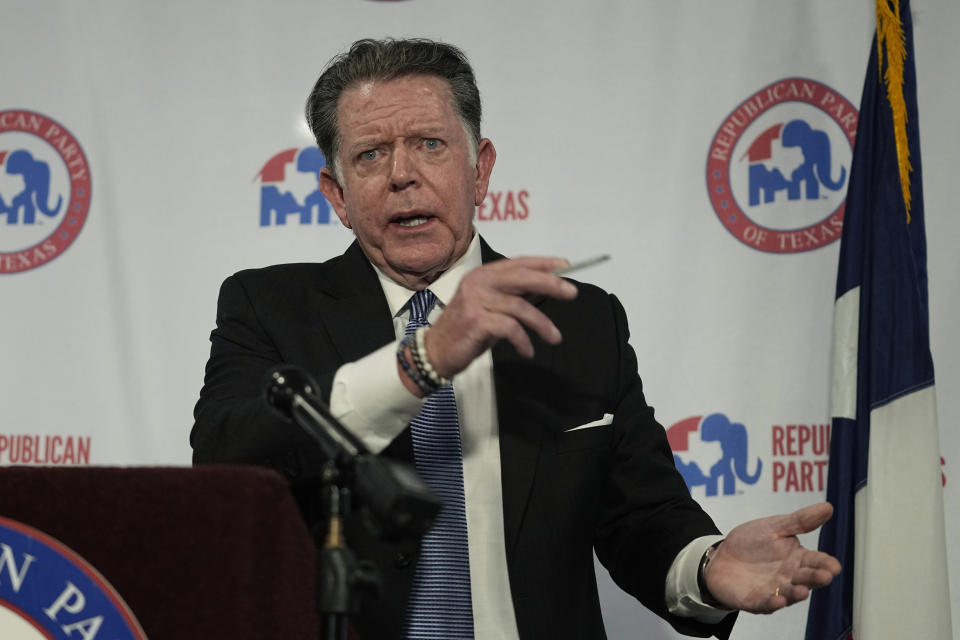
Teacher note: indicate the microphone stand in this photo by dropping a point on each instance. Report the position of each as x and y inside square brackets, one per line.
[339, 572]
[398, 501]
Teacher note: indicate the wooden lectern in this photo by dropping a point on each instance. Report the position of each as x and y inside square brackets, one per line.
[197, 553]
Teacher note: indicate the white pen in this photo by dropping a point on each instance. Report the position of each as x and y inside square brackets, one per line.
[583, 264]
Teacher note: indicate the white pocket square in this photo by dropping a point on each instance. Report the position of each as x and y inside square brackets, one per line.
[605, 420]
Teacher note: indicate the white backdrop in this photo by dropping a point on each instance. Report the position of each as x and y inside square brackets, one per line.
[602, 113]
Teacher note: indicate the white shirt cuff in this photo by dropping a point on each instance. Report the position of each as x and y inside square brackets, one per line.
[683, 593]
[371, 401]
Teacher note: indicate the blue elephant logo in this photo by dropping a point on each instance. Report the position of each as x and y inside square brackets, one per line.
[732, 465]
[35, 195]
[277, 205]
[805, 180]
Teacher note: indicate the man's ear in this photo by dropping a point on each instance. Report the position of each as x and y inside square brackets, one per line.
[486, 156]
[333, 192]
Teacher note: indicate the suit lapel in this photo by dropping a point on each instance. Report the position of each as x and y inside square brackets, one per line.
[353, 308]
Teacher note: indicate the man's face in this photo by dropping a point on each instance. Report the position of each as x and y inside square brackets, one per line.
[409, 182]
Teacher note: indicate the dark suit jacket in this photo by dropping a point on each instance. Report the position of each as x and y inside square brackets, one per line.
[565, 493]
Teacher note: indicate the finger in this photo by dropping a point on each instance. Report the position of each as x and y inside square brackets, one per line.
[506, 328]
[510, 277]
[822, 561]
[813, 578]
[528, 315]
[540, 263]
[508, 324]
[498, 327]
[784, 596]
[523, 281]
[816, 569]
[793, 593]
[776, 601]
[806, 519]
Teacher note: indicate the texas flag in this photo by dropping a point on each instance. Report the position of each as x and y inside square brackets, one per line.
[884, 477]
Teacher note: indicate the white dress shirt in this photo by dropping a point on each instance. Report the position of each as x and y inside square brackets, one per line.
[369, 398]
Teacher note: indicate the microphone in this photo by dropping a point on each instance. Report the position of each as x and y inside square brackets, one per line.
[397, 499]
[294, 394]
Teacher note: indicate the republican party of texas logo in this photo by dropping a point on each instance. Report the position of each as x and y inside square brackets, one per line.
[44, 190]
[290, 189]
[779, 165]
[711, 452]
[47, 591]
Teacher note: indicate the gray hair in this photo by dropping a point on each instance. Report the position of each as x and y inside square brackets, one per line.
[388, 59]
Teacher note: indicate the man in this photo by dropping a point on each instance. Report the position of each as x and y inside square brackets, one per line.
[561, 454]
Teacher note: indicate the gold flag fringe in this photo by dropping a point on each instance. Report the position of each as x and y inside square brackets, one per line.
[890, 39]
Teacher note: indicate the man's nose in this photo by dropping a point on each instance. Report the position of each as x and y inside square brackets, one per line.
[403, 171]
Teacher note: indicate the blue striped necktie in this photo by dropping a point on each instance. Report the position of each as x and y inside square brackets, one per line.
[440, 605]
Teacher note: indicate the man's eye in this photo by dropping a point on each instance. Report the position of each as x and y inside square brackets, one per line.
[368, 155]
[432, 144]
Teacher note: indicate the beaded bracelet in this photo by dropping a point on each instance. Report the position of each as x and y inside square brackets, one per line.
[423, 363]
[411, 372]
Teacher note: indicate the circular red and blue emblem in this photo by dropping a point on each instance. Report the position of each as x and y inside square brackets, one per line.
[44, 190]
[779, 165]
[49, 592]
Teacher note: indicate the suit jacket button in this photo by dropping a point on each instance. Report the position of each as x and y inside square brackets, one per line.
[402, 560]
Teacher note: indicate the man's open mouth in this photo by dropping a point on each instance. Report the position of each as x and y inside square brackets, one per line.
[412, 220]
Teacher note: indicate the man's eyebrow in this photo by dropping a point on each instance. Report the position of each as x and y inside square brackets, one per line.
[426, 131]
[431, 131]
[365, 143]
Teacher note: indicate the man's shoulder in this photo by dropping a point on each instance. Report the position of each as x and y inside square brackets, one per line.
[589, 289]
[590, 294]
[594, 313]
[283, 272]
[299, 274]
[279, 279]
